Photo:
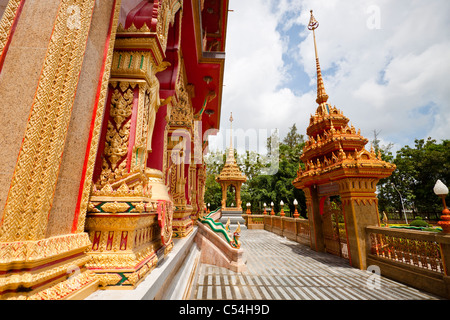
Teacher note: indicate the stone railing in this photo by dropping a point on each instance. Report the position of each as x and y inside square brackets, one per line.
[232, 238]
[416, 258]
[215, 215]
[295, 229]
[254, 221]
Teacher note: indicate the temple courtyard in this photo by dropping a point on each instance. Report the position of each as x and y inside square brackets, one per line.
[281, 269]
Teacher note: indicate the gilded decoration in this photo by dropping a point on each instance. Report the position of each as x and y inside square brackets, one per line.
[126, 228]
[7, 21]
[97, 122]
[180, 132]
[334, 149]
[335, 162]
[23, 265]
[182, 114]
[154, 36]
[33, 185]
[166, 16]
[130, 216]
[32, 266]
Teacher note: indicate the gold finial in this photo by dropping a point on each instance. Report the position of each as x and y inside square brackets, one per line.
[230, 156]
[322, 96]
[313, 24]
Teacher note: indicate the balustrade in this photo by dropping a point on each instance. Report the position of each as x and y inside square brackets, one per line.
[416, 248]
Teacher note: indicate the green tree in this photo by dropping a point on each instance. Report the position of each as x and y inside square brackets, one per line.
[278, 186]
[417, 171]
[215, 162]
[262, 187]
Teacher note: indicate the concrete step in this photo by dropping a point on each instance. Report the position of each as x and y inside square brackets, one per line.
[234, 216]
[182, 282]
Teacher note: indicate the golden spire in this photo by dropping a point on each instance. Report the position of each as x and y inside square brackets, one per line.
[230, 157]
[322, 96]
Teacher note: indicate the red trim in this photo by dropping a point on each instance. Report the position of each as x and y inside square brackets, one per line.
[97, 98]
[131, 17]
[102, 139]
[322, 204]
[123, 241]
[11, 33]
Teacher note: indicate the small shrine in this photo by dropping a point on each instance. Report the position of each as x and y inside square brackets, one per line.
[231, 177]
[339, 179]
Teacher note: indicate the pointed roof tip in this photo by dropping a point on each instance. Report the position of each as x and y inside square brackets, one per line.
[313, 24]
[322, 96]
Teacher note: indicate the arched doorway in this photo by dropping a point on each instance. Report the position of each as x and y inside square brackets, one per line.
[231, 199]
[334, 228]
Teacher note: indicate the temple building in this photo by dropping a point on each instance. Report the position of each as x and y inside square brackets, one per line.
[231, 179]
[339, 179]
[106, 111]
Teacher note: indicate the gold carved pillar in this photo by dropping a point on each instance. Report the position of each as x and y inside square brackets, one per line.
[193, 186]
[201, 188]
[130, 214]
[179, 155]
[39, 257]
[314, 218]
[360, 208]
[178, 182]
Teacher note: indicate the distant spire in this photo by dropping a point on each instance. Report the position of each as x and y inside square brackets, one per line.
[230, 156]
[322, 96]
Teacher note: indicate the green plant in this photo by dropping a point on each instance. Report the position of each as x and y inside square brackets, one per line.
[418, 222]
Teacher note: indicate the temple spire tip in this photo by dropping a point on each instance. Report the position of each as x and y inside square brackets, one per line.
[322, 96]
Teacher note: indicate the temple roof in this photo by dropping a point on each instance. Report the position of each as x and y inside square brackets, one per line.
[231, 171]
[334, 149]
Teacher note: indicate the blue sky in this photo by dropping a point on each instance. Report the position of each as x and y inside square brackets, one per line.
[386, 65]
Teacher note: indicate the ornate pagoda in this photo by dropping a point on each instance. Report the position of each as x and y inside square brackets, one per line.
[231, 175]
[337, 163]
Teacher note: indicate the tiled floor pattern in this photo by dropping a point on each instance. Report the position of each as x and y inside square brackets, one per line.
[280, 269]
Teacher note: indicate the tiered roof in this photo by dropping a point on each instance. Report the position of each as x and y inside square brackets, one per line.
[231, 171]
[334, 149]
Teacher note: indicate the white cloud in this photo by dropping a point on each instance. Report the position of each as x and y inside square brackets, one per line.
[393, 79]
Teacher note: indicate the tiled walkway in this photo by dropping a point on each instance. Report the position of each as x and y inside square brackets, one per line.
[280, 269]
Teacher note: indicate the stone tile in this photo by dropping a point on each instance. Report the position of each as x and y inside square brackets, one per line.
[282, 269]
